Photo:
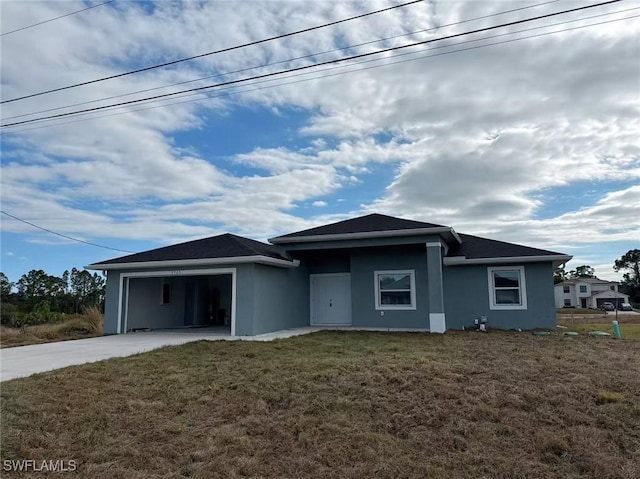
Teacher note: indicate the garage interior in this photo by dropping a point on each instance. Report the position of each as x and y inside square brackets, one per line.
[179, 302]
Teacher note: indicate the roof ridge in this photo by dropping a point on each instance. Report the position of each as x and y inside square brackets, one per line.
[242, 241]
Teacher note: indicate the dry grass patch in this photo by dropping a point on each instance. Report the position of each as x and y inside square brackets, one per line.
[340, 404]
[605, 397]
[87, 325]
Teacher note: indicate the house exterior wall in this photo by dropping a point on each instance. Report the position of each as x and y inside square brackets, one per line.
[560, 295]
[280, 299]
[363, 300]
[326, 262]
[466, 297]
[111, 304]
[145, 308]
[362, 243]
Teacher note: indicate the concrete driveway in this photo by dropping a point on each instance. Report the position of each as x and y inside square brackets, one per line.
[24, 361]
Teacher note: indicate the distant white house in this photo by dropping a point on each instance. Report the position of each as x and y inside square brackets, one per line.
[588, 293]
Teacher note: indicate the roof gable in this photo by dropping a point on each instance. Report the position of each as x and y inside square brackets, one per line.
[223, 246]
[364, 224]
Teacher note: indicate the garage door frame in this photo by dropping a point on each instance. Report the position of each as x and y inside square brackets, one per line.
[123, 310]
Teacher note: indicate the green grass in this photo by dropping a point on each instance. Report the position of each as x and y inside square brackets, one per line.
[579, 311]
[629, 325]
[628, 331]
[341, 404]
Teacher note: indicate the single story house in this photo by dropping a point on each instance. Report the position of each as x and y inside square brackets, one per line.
[374, 271]
[588, 293]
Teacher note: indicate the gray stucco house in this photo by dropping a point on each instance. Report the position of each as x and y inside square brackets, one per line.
[374, 271]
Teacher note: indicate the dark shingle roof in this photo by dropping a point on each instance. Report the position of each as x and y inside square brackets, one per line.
[222, 246]
[363, 224]
[475, 247]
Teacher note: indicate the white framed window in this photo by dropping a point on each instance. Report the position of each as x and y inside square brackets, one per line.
[507, 287]
[395, 289]
[566, 289]
[583, 288]
[567, 302]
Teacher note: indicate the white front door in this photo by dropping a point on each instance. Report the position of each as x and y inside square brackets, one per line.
[331, 299]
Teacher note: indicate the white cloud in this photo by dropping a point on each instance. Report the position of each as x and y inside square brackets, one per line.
[472, 139]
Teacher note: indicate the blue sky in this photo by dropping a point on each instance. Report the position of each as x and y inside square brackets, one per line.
[533, 142]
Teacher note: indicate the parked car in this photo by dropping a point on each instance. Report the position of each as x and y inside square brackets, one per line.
[607, 307]
[625, 307]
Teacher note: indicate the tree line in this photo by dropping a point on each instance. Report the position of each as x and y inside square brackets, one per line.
[38, 297]
[628, 262]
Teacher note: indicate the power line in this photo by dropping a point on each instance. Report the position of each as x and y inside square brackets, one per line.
[281, 61]
[238, 91]
[64, 236]
[257, 42]
[305, 67]
[56, 18]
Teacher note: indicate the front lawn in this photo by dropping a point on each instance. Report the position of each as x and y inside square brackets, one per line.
[629, 325]
[341, 404]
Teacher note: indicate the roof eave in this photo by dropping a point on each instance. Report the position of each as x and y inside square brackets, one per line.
[186, 263]
[367, 235]
[463, 260]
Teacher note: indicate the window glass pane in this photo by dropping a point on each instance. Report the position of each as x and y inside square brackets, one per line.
[567, 302]
[507, 296]
[566, 289]
[394, 281]
[583, 289]
[395, 297]
[506, 279]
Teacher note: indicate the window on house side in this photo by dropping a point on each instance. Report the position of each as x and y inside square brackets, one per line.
[566, 289]
[567, 302]
[612, 288]
[395, 289]
[583, 289]
[507, 288]
[166, 293]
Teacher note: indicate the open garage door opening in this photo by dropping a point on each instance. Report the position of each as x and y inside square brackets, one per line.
[175, 301]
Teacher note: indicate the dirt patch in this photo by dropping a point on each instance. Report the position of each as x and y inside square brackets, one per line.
[341, 404]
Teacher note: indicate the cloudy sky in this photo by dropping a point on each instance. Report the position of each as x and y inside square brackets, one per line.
[529, 140]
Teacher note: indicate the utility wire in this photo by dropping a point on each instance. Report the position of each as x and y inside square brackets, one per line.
[235, 90]
[305, 67]
[56, 18]
[64, 236]
[257, 42]
[279, 62]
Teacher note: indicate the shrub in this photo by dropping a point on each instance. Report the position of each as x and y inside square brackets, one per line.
[41, 314]
[10, 316]
[93, 319]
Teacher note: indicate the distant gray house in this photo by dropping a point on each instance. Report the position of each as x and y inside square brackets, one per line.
[374, 271]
